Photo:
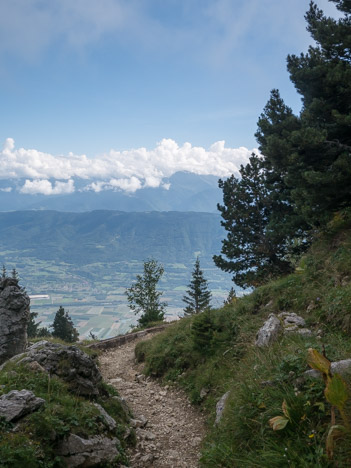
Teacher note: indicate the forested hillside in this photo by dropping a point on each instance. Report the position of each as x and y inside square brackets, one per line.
[99, 236]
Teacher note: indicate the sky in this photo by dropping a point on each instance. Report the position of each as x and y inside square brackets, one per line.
[129, 91]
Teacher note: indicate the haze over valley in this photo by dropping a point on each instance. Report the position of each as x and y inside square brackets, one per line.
[85, 261]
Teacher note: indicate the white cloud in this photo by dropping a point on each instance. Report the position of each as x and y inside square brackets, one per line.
[124, 170]
[6, 189]
[45, 187]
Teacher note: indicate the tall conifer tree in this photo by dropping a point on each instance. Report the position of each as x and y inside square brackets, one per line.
[198, 296]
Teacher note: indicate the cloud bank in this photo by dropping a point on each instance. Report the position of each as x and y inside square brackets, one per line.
[129, 170]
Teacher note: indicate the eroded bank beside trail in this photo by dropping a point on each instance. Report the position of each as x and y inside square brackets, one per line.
[169, 430]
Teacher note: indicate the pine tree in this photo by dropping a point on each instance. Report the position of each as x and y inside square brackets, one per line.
[14, 274]
[63, 327]
[231, 298]
[311, 152]
[4, 274]
[142, 296]
[198, 296]
[255, 249]
[32, 327]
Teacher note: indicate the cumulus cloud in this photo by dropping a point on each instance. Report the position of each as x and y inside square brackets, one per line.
[117, 170]
[45, 187]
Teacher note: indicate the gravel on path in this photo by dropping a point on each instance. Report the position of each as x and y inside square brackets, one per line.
[169, 430]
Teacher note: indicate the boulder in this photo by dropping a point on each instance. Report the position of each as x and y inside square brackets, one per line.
[94, 451]
[338, 367]
[16, 404]
[67, 362]
[291, 321]
[220, 408]
[269, 332]
[110, 423]
[14, 318]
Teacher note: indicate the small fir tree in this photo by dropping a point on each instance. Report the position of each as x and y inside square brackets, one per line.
[14, 274]
[143, 297]
[3, 275]
[198, 296]
[202, 332]
[231, 297]
[63, 327]
[32, 327]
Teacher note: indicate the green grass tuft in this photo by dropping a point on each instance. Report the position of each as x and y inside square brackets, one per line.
[209, 355]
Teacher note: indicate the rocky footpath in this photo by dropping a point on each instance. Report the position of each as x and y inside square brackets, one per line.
[169, 430]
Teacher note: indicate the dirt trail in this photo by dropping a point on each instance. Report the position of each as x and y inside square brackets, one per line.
[174, 430]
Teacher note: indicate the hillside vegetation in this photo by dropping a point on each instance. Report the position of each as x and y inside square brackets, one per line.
[211, 353]
[34, 440]
[105, 236]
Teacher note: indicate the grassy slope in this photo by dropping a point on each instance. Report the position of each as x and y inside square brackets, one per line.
[31, 442]
[215, 353]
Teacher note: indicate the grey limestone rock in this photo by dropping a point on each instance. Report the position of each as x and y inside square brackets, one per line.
[16, 404]
[67, 362]
[14, 318]
[220, 408]
[109, 421]
[291, 321]
[95, 451]
[338, 367]
[269, 332]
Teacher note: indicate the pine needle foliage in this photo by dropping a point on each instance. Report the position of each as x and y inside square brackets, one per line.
[198, 296]
[63, 327]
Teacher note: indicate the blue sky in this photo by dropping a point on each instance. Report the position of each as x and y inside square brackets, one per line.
[88, 76]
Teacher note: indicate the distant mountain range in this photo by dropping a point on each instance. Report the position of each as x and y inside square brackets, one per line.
[110, 236]
[186, 192]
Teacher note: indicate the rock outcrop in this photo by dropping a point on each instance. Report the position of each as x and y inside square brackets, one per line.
[14, 317]
[338, 367]
[220, 408]
[274, 326]
[269, 332]
[293, 323]
[16, 404]
[67, 362]
[95, 451]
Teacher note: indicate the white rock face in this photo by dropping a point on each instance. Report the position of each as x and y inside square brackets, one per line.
[109, 421]
[14, 317]
[16, 404]
[269, 332]
[220, 408]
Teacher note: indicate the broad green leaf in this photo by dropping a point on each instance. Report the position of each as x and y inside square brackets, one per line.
[336, 391]
[317, 361]
[278, 423]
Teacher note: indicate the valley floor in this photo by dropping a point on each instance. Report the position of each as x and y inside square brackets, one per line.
[174, 431]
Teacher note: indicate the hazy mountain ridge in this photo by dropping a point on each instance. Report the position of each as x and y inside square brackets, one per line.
[185, 192]
[104, 235]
